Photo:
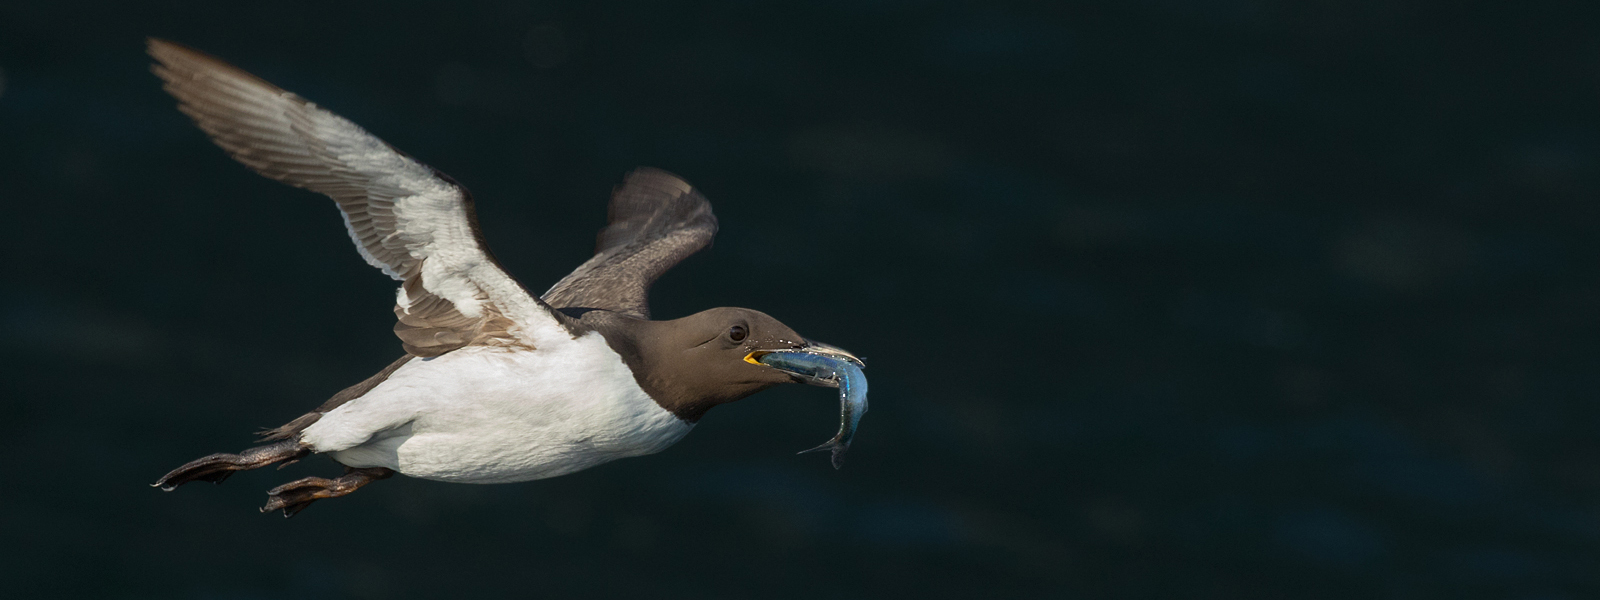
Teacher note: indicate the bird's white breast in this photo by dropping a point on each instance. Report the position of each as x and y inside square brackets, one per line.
[495, 415]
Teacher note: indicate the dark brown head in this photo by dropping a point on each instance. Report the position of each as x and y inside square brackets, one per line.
[694, 363]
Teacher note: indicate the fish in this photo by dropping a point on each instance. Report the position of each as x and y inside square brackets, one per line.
[830, 371]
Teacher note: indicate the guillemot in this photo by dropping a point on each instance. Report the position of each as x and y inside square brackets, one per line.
[496, 385]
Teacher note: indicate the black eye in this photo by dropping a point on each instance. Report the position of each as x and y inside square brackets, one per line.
[737, 333]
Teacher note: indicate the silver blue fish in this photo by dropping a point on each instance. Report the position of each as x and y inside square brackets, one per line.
[830, 371]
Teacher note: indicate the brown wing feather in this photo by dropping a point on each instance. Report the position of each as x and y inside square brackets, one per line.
[656, 220]
[411, 221]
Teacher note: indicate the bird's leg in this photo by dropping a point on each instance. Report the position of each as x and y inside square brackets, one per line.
[218, 467]
[295, 496]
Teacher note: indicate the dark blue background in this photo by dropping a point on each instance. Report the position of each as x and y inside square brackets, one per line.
[1160, 299]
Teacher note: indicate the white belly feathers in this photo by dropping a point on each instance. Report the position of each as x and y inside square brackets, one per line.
[494, 415]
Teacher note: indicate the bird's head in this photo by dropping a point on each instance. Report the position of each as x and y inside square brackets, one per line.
[710, 358]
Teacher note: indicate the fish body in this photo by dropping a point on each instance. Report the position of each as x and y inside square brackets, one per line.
[830, 371]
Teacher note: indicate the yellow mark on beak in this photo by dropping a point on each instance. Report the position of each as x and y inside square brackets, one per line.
[751, 357]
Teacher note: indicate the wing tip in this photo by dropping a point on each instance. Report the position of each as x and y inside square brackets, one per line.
[166, 51]
[177, 63]
[656, 178]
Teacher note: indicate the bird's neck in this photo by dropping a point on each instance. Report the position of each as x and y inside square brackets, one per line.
[655, 361]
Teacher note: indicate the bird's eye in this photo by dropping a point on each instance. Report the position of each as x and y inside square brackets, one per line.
[737, 333]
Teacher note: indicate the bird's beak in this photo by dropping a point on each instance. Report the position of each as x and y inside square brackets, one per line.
[815, 348]
[810, 347]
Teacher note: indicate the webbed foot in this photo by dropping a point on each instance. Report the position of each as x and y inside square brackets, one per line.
[217, 467]
[295, 496]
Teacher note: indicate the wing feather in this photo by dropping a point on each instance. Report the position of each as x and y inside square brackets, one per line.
[656, 220]
[407, 219]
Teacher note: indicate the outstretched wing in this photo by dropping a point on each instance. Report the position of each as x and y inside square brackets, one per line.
[411, 221]
[656, 220]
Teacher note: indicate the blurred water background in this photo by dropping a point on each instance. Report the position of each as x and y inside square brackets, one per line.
[1160, 299]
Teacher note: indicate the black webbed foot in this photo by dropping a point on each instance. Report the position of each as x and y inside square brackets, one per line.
[217, 467]
[295, 496]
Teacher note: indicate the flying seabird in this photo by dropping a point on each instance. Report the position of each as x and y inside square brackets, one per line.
[497, 385]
